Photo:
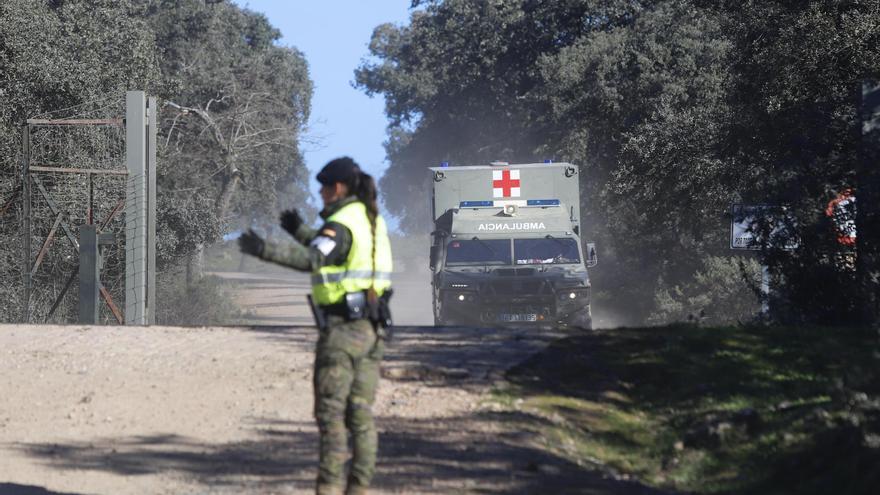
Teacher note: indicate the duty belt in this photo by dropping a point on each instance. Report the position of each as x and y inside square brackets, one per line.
[355, 306]
[338, 309]
[326, 278]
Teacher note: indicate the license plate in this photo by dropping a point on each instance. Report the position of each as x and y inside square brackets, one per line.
[518, 317]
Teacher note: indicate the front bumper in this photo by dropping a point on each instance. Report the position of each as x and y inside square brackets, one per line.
[547, 308]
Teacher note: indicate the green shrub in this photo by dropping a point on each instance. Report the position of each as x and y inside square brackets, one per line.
[205, 302]
[721, 292]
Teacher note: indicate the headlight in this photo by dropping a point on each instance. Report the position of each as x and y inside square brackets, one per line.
[460, 297]
[569, 295]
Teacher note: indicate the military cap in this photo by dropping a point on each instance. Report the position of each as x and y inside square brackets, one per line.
[344, 170]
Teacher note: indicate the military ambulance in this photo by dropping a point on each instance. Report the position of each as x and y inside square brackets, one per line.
[506, 247]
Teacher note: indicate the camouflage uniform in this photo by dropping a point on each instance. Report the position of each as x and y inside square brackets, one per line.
[346, 371]
[346, 377]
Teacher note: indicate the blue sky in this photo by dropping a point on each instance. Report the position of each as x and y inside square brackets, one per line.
[334, 36]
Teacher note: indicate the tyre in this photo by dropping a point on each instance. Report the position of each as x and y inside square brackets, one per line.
[582, 321]
[439, 321]
[586, 325]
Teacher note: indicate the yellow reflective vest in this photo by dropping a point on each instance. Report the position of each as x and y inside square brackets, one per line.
[331, 283]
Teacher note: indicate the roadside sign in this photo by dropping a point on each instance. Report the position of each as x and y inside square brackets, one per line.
[746, 223]
[842, 210]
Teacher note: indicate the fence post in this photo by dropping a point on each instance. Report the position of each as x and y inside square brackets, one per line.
[152, 126]
[89, 274]
[26, 220]
[136, 208]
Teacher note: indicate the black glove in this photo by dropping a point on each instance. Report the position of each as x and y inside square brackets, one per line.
[290, 221]
[251, 243]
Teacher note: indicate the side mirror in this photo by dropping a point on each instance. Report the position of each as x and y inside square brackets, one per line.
[592, 258]
[432, 262]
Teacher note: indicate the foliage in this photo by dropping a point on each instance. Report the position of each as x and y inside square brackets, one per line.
[799, 133]
[723, 290]
[481, 103]
[673, 109]
[710, 410]
[644, 106]
[233, 104]
[58, 59]
[207, 301]
[234, 114]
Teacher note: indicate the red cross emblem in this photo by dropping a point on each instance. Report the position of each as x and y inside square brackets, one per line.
[505, 184]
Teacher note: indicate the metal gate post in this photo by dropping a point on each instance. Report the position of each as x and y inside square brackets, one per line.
[152, 126]
[135, 208]
[89, 274]
[26, 221]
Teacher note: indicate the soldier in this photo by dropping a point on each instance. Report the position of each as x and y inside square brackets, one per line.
[350, 261]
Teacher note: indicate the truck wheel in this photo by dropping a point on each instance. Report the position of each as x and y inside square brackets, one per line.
[586, 324]
[583, 322]
[438, 316]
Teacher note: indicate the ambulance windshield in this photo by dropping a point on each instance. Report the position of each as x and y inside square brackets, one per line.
[478, 251]
[547, 250]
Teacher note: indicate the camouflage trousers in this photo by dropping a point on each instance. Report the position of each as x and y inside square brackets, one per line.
[345, 380]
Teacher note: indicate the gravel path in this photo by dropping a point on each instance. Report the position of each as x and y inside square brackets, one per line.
[227, 410]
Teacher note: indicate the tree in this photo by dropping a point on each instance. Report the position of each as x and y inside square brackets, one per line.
[798, 76]
[235, 114]
[597, 83]
[673, 109]
[644, 107]
[234, 104]
[484, 100]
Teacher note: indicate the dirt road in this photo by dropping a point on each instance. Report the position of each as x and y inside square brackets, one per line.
[276, 295]
[227, 410]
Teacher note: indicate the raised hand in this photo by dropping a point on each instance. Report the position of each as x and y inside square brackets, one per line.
[251, 243]
[290, 221]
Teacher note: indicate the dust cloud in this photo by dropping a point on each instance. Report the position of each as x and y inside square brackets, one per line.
[411, 304]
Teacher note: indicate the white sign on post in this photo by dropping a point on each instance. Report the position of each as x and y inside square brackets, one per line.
[745, 223]
[745, 233]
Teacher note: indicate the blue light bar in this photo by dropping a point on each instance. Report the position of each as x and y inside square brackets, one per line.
[444, 164]
[542, 202]
[548, 161]
[474, 204]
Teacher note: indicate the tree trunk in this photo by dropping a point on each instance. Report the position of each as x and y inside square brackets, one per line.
[229, 188]
[195, 265]
[196, 260]
[867, 209]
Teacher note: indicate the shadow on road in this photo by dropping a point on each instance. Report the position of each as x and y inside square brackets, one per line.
[438, 356]
[452, 455]
[482, 453]
[460, 356]
[16, 489]
[284, 454]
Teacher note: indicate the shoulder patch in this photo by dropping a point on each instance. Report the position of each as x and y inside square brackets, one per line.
[323, 244]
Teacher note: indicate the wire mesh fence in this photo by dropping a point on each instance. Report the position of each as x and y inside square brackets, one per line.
[76, 168]
[10, 241]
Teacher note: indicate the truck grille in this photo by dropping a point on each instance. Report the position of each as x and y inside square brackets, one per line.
[517, 286]
[514, 272]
